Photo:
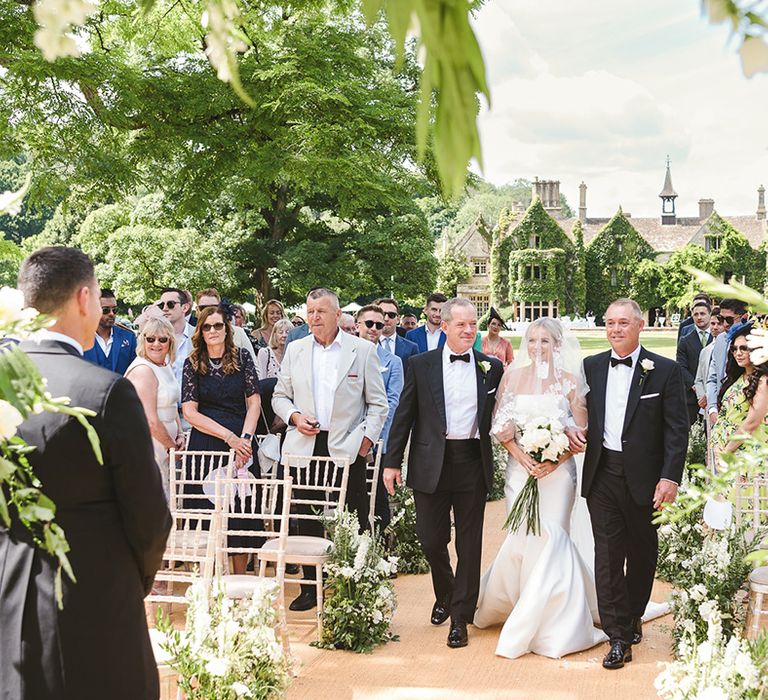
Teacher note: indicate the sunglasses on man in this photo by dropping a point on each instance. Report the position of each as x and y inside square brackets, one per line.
[169, 304]
[370, 324]
[390, 314]
[105, 310]
[726, 319]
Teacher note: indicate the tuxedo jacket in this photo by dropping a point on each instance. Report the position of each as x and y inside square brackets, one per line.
[116, 521]
[655, 435]
[360, 401]
[421, 415]
[121, 354]
[419, 336]
[688, 351]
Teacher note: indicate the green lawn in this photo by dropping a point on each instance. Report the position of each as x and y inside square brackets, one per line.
[592, 342]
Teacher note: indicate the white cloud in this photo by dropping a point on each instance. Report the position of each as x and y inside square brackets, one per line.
[579, 93]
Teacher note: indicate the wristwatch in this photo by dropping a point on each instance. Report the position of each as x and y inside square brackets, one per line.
[247, 436]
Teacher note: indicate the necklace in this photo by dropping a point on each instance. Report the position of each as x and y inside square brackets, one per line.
[215, 364]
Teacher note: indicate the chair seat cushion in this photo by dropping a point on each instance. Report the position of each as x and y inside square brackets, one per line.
[297, 546]
[759, 576]
[240, 585]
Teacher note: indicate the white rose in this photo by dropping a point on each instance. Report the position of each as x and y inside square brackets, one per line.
[12, 307]
[10, 420]
[647, 364]
[217, 667]
[550, 453]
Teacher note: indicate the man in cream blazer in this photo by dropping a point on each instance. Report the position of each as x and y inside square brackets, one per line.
[331, 395]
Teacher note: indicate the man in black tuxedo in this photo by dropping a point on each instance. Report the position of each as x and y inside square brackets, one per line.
[689, 348]
[114, 515]
[635, 454]
[445, 407]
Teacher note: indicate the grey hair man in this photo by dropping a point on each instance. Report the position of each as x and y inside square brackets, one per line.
[331, 395]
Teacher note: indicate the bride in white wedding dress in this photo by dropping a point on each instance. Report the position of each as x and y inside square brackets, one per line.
[539, 586]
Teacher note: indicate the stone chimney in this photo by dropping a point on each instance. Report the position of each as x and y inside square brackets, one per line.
[548, 191]
[761, 203]
[706, 207]
[582, 202]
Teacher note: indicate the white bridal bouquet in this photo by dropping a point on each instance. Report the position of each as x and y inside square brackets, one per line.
[545, 440]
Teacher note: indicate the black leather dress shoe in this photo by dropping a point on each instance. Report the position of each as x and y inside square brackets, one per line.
[637, 630]
[458, 636]
[306, 601]
[619, 654]
[440, 613]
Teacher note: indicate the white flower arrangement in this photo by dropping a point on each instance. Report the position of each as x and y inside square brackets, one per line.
[402, 528]
[361, 600]
[715, 667]
[229, 646]
[545, 440]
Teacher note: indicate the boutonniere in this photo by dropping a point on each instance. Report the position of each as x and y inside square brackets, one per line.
[484, 366]
[647, 366]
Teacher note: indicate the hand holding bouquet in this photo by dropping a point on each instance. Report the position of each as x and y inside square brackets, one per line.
[544, 440]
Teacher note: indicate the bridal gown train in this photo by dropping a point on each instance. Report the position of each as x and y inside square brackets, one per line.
[540, 587]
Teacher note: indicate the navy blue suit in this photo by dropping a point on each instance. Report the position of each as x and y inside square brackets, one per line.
[403, 349]
[419, 336]
[121, 354]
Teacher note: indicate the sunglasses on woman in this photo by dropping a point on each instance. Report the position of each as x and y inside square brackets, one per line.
[207, 327]
[170, 304]
[739, 348]
[370, 324]
[151, 339]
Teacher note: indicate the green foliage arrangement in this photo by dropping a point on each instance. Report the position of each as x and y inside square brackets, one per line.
[360, 599]
[402, 529]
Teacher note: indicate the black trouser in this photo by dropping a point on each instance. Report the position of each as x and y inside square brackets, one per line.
[624, 536]
[461, 487]
[381, 511]
[693, 412]
[357, 499]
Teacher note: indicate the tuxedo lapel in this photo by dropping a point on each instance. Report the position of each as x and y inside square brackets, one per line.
[304, 359]
[436, 385]
[600, 381]
[480, 383]
[635, 389]
[348, 355]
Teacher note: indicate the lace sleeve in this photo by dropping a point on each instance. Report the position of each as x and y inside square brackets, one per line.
[249, 372]
[503, 426]
[189, 383]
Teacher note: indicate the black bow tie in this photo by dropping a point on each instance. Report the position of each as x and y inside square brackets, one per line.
[461, 358]
[626, 361]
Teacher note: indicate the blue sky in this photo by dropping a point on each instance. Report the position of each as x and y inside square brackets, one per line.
[603, 91]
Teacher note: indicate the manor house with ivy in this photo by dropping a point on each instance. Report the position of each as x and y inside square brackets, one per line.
[536, 263]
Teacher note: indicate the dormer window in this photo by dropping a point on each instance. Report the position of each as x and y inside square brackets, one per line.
[712, 243]
[480, 266]
[534, 241]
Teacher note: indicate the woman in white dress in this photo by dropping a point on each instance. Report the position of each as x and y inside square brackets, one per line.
[539, 586]
[152, 375]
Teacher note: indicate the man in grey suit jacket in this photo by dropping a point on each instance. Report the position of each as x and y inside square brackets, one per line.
[331, 396]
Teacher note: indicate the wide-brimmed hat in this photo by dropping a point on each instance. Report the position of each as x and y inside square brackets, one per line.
[495, 314]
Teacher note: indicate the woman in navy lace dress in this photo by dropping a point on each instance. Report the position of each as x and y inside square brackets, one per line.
[220, 399]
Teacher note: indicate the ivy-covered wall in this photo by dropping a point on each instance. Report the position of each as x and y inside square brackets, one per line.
[551, 284]
[611, 258]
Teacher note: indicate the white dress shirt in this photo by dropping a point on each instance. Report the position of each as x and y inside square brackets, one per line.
[325, 375]
[616, 396]
[106, 345]
[388, 343]
[433, 338]
[460, 389]
[59, 337]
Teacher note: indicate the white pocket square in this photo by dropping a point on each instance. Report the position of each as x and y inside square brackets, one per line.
[492, 390]
[650, 396]
[385, 369]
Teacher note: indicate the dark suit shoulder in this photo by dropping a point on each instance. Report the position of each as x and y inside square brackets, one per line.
[593, 360]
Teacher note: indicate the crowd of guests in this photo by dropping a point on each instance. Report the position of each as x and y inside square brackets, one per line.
[725, 391]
